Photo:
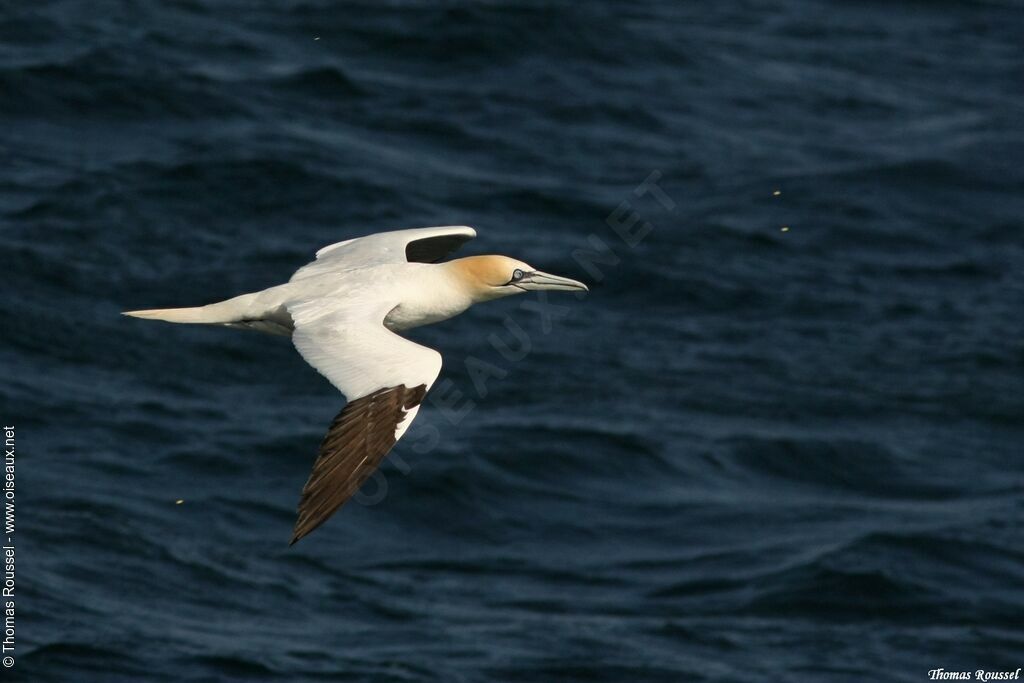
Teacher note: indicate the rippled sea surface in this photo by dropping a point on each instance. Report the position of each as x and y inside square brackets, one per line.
[780, 440]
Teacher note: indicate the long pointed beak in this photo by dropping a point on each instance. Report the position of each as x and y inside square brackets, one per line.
[538, 280]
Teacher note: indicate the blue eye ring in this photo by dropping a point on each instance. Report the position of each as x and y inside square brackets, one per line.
[517, 275]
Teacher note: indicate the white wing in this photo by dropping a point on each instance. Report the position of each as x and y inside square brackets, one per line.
[384, 377]
[417, 245]
[349, 345]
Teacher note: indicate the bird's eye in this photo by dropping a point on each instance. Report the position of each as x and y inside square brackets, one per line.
[517, 275]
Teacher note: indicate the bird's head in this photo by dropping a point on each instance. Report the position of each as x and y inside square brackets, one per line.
[493, 277]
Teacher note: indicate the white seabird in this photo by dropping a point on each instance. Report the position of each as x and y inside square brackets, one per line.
[342, 312]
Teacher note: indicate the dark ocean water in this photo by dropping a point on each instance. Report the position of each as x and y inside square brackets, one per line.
[750, 454]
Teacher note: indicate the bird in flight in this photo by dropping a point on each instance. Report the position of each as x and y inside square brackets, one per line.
[344, 311]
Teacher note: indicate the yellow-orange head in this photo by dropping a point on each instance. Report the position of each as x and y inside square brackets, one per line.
[492, 277]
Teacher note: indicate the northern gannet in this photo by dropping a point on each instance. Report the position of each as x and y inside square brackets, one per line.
[343, 311]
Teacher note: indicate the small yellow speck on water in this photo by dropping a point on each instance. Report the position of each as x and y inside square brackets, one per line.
[179, 501]
[785, 228]
[776, 193]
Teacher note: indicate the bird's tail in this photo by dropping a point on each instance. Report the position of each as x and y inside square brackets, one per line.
[222, 312]
[174, 315]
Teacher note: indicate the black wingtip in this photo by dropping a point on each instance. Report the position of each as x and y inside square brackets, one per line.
[356, 442]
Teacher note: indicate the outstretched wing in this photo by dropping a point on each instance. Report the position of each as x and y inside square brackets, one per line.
[418, 245]
[383, 376]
